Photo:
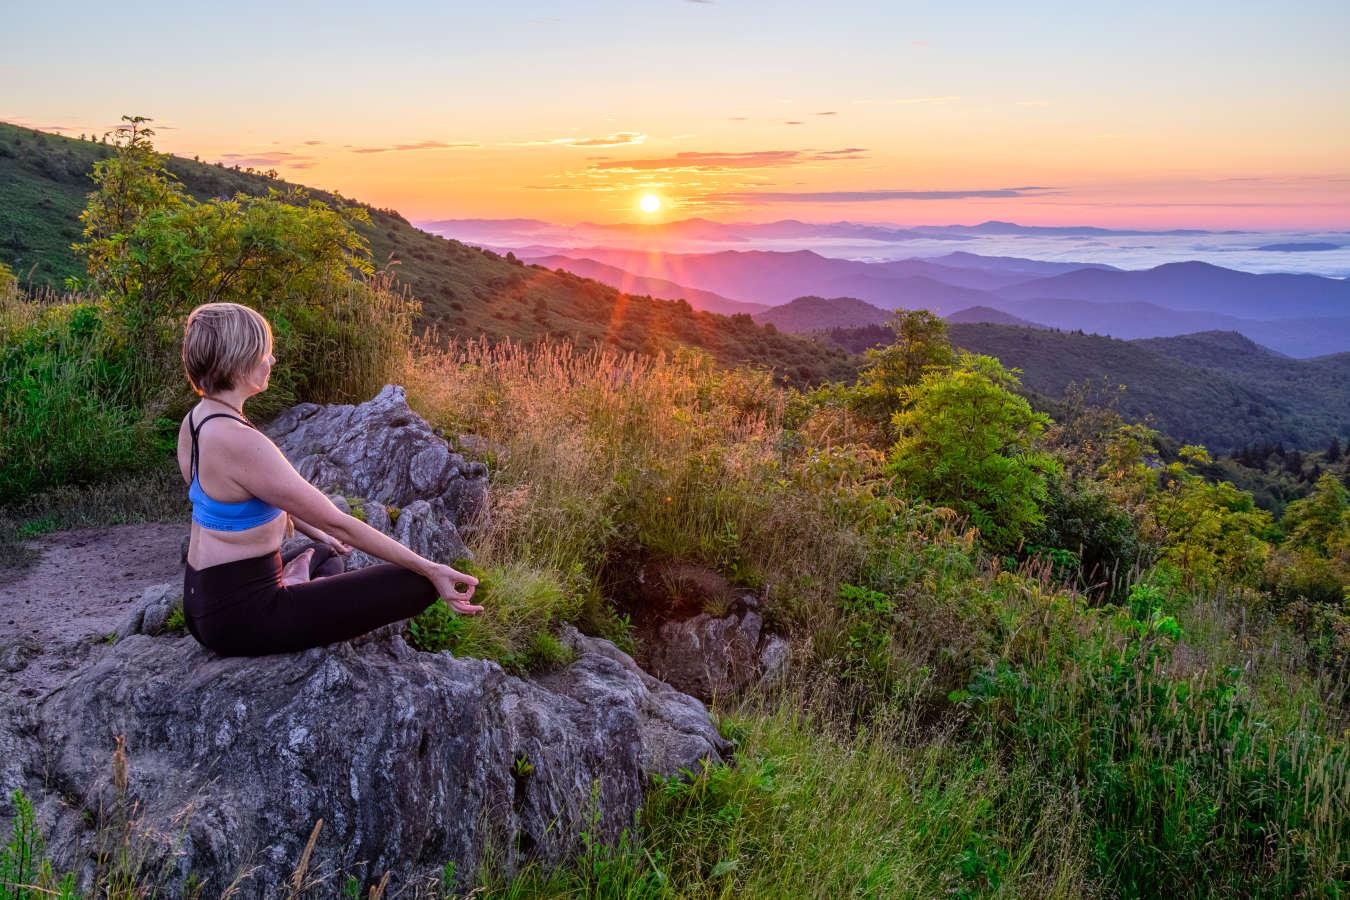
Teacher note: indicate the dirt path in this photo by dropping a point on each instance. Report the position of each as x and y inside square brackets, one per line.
[75, 594]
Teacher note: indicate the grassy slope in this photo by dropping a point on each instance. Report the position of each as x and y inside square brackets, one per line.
[465, 291]
[1196, 388]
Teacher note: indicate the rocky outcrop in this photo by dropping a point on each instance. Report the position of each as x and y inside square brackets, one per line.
[412, 759]
[716, 656]
[381, 461]
[696, 630]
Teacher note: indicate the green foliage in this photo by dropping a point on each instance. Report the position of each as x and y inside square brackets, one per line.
[803, 812]
[966, 441]
[920, 345]
[9, 285]
[1321, 522]
[1213, 533]
[175, 621]
[67, 414]
[1195, 387]
[1185, 783]
[1091, 541]
[521, 605]
[869, 617]
[25, 872]
[93, 387]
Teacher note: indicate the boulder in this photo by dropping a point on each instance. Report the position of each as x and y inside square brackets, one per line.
[411, 759]
[717, 656]
[388, 458]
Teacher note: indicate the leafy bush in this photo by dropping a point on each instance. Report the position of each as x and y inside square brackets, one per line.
[967, 442]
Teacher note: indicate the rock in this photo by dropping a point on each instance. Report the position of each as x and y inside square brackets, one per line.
[410, 758]
[15, 653]
[387, 455]
[716, 656]
[151, 609]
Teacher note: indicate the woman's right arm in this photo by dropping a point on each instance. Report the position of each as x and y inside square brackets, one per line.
[265, 472]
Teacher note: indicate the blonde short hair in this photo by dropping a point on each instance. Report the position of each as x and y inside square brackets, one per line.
[220, 342]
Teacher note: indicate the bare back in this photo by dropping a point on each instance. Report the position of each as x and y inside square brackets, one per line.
[217, 443]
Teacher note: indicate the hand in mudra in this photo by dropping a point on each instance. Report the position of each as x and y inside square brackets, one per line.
[447, 581]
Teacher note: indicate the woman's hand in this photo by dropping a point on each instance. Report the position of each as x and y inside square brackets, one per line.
[446, 581]
[334, 544]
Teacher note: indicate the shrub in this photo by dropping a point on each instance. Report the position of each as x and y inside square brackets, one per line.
[967, 442]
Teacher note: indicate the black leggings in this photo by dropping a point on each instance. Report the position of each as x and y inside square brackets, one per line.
[241, 608]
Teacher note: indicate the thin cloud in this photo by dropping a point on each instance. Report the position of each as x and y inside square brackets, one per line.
[827, 113]
[617, 139]
[269, 159]
[869, 196]
[709, 161]
[420, 145]
[792, 122]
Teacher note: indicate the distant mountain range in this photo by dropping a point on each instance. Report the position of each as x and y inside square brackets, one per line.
[1299, 315]
[698, 229]
[655, 287]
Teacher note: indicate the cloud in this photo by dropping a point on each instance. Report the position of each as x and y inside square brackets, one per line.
[695, 160]
[614, 140]
[268, 160]
[793, 122]
[313, 143]
[827, 113]
[868, 196]
[617, 139]
[420, 145]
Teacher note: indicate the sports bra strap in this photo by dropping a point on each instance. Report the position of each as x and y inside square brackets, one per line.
[194, 430]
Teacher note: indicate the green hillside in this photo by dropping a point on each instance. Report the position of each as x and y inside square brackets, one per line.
[1214, 388]
[465, 291]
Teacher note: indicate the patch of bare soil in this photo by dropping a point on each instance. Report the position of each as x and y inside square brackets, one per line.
[56, 611]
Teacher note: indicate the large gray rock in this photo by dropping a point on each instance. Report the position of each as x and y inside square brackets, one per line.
[410, 758]
[405, 479]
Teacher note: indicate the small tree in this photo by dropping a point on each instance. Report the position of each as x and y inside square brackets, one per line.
[966, 441]
[920, 345]
[1319, 522]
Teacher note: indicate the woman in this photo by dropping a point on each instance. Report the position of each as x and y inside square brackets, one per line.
[245, 496]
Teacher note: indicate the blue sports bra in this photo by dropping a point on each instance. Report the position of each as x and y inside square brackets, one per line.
[214, 514]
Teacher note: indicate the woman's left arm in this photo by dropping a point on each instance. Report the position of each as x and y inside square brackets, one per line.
[319, 535]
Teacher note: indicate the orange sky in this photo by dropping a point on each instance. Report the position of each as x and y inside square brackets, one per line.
[1201, 115]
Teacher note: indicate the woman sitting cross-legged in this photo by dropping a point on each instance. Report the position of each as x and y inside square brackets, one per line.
[239, 598]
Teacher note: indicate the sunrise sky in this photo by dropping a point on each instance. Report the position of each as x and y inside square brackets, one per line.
[1228, 115]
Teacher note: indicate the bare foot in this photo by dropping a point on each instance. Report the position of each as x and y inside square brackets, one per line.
[297, 570]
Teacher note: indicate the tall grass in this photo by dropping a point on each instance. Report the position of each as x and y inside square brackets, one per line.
[808, 810]
[598, 455]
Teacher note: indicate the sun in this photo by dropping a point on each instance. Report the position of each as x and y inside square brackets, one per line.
[649, 203]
